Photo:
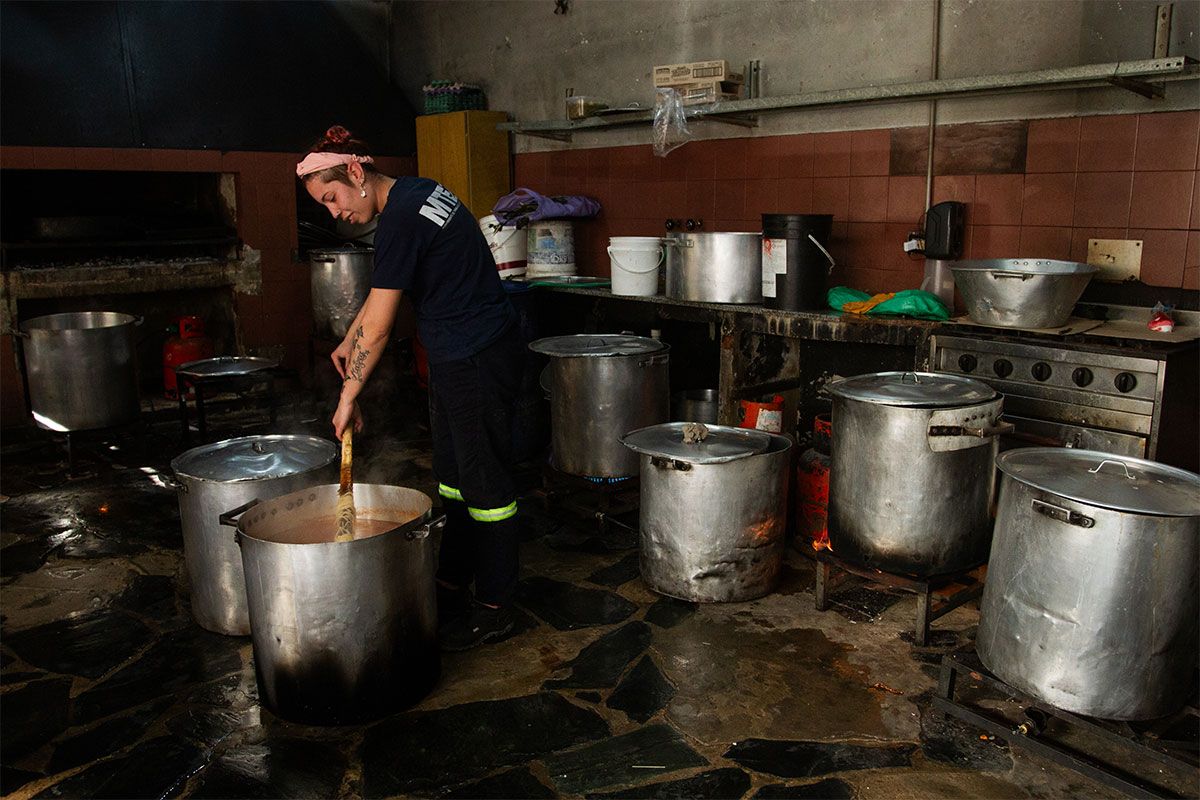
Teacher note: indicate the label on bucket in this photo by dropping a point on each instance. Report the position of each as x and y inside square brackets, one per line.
[769, 420]
[774, 262]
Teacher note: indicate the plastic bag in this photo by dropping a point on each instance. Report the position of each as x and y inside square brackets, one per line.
[525, 205]
[670, 122]
[908, 303]
[1160, 318]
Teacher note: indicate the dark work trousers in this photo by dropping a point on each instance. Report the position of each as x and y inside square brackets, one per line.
[471, 404]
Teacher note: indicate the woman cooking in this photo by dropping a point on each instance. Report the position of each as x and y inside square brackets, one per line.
[429, 246]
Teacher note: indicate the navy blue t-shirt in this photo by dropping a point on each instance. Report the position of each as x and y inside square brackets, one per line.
[428, 244]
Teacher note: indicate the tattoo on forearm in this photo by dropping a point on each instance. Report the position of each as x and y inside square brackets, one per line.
[358, 358]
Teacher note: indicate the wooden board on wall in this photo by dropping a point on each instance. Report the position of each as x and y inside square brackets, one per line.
[968, 149]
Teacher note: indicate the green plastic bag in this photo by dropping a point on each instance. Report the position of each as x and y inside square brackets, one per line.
[908, 303]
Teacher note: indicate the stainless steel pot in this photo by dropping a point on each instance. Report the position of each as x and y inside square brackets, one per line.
[713, 515]
[910, 480]
[1021, 292]
[342, 631]
[81, 369]
[341, 280]
[696, 405]
[1091, 601]
[214, 478]
[714, 267]
[601, 387]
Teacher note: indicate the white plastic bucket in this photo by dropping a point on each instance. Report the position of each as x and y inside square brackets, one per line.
[635, 261]
[507, 245]
[551, 248]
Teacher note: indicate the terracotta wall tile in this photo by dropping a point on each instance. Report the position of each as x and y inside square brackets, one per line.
[168, 160]
[1053, 145]
[729, 159]
[762, 197]
[762, 157]
[998, 200]
[16, 157]
[1192, 255]
[954, 187]
[622, 200]
[865, 241]
[276, 199]
[54, 158]
[870, 152]
[1167, 140]
[1164, 256]
[894, 257]
[796, 155]
[995, 241]
[95, 158]
[1039, 241]
[530, 169]
[1080, 237]
[673, 200]
[702, 199]
[1191, 278]
[1048, 199]
[906, 199]
[204, 160]
[1162, 199]
[599, 162]
[831, 196]
[1107, 144]
[131, 159]
[868, 199]
[734, 225]
[831, 154]
[636, 162]
[796, 195]
[1102, 199]
[1194, 222]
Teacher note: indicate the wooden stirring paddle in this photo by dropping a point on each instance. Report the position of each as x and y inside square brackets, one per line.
[345, 503]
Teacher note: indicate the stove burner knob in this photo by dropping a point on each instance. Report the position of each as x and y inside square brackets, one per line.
[967, 362]
[1041, 371]
[1125, 382]
[1082, 376]
[1002, 367]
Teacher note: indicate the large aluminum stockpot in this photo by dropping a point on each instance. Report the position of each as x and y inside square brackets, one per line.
[341, 280]
[81, 369]
[1021, 292]
[214, 478]
[714, 513]
[910, 480]
[342, 631]
[1091, 603]
[696, 405]
[714, 267]
[603, 386]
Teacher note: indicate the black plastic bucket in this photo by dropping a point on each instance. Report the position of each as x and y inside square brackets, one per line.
[794, 267]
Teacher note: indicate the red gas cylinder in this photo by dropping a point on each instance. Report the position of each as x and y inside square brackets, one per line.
[812, 485]
[187, 343]
[763, 416]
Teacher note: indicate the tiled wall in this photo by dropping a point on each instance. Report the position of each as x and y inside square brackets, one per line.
[281, 317]
[1130, 176]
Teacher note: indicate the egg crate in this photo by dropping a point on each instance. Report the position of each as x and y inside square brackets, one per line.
[445, 96]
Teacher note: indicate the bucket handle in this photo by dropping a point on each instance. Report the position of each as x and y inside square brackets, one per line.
[1062, 514]
[824, 252]
[613, 256]
[228, 519]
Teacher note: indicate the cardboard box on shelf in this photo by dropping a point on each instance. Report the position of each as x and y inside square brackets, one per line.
[694, 72]
[708, 92]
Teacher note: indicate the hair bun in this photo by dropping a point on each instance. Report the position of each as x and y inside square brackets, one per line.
[337, 135]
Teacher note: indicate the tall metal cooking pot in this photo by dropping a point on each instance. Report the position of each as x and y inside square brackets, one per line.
[714, 267]
[341, 280]
[713, 513]
[910, 481]
[1092, 602]
[214, 478]
[81, 369]
[342, 631]
[603, 386]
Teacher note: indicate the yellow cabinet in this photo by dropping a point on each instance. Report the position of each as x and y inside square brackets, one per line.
[463, 151]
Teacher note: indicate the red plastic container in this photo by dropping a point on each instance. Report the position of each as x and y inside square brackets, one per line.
[187, 343]
[763, 416]
[812, 485]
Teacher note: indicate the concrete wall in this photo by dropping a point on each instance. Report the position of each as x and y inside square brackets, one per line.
[526, 56]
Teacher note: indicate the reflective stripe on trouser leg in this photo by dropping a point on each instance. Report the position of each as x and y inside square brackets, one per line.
[449, 492]
[493, 514]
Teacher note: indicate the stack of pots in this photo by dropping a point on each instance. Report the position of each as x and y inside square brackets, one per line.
[912, 471]
[603, 386]
[215, 478]
[713, 513]
[1091, 599]
[341, 280]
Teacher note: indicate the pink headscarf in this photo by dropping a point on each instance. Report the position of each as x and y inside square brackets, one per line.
[315, 162]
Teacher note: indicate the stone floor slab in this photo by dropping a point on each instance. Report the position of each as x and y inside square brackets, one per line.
[636, 757]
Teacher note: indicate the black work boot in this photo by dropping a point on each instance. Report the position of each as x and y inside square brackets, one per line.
[483, 624]
[453, 603]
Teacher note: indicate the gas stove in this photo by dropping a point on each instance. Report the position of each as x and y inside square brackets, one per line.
[1112, 386]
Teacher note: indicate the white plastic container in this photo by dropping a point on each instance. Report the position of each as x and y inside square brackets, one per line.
[551, 248]
[508, 246]
[635, 261]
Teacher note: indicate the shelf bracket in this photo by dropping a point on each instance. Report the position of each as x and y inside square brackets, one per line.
[558, 136]
[1151, 91]
[741, 120]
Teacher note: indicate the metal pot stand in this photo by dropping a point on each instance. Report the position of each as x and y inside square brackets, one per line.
[1061, 736]
[238, 374]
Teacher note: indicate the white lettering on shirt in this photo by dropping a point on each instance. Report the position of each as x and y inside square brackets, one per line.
[439, 206]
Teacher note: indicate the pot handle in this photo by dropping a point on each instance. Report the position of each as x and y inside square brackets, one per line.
[998, 429]
[673, 241]
[228, 518]
[323, 260]
[670, 463]
[1062, 514]
[824, 252]
[423, 531]
[1022, 275]
[17, 332]
[173, 482]
[1124, 466]
[653, 361]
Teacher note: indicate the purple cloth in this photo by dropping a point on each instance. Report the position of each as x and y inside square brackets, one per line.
[525, 205]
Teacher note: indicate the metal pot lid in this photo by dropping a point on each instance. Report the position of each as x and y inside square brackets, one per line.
[1105, 480]
[1033, 266]
[721, 445]
[341, 251]
[598, 345]
[225, 366]
[252, 458]
[913, 389]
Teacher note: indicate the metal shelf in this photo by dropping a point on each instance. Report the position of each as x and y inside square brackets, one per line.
[1136, 76]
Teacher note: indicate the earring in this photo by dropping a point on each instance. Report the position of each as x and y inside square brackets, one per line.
[362, 191]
